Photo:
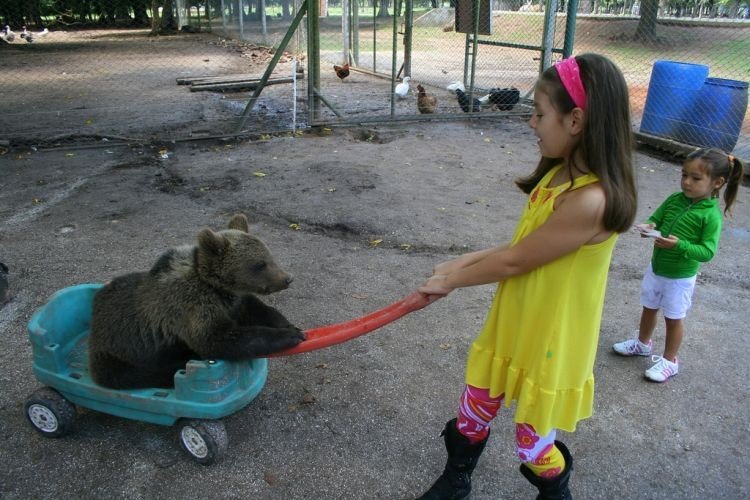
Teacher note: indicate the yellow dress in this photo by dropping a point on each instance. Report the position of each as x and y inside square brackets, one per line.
[539, 341]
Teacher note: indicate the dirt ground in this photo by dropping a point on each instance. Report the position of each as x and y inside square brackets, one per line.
[359, 217]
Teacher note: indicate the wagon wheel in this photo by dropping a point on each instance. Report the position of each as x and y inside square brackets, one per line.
[204, 440]
[49, 413]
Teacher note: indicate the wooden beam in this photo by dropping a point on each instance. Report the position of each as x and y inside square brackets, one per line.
[246, 84]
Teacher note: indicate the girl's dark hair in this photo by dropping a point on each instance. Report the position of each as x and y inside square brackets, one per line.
[606, 143]
[717, 163]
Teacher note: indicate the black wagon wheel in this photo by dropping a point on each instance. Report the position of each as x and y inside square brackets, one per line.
[204, 440]
[50, 413]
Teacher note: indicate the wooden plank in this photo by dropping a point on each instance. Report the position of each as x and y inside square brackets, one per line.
[191, 80]
[247, 84]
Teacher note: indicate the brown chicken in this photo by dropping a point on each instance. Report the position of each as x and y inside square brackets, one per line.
[341, 71]
[425, 103]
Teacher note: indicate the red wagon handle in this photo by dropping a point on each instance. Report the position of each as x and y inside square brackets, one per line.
[326, 336]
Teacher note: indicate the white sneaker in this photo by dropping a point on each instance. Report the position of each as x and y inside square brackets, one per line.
[632, 347]
[663, 370]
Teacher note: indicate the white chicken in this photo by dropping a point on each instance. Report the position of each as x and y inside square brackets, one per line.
[9, 35]
[402, 89]
[29, 36]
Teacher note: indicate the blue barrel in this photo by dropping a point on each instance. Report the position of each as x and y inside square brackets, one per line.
[716, 118]
[672, 93]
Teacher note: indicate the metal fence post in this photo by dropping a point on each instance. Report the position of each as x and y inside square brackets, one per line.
[548, 38]
[570, 28]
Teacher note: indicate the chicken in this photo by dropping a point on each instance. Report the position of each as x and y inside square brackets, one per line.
[31, 36]
[425, 103]
[341, 71]
[463, 98]
[503, 99]
[402, 89]
[9, 35]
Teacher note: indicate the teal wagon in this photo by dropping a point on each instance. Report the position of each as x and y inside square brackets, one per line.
[204, 391]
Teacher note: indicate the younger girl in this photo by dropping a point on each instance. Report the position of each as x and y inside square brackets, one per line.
[688, 226]
[539, 341]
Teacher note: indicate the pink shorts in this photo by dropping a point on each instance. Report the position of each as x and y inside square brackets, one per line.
[672, 295]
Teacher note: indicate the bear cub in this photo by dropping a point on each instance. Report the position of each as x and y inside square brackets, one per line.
[196, 302]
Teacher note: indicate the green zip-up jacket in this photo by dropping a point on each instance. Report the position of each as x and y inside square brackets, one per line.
[698, 227]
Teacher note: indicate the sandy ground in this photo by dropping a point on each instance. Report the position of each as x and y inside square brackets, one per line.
[361, 419]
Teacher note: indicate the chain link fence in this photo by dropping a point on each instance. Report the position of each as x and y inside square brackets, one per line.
[175, 69]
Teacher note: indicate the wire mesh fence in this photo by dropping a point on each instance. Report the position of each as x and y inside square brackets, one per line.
[169, 69]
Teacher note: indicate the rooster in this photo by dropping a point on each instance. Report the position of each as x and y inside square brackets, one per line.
[504, 99]
[341, 71]
[425, 103]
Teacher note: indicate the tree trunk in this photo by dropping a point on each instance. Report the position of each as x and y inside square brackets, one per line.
[586, 7]
[383, 9]
[140, 15]
[168, 21]
[121, 12]
[155, 18]
[646, 31]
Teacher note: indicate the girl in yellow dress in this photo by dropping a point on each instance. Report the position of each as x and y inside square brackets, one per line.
[539, 341]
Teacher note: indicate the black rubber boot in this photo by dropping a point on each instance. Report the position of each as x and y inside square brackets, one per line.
[556, 488]
[455, 481]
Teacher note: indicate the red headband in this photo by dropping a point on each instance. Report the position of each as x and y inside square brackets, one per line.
[570, 76]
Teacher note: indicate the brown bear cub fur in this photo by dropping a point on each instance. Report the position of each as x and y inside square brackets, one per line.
[197, 302]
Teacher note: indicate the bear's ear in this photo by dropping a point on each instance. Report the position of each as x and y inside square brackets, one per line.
[239, 222]
[212, 242]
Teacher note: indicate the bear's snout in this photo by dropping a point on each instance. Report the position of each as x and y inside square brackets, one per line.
[282, 283]
[285, 281]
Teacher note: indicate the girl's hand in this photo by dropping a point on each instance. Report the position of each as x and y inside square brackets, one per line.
[669, 242]
[645, 230]
[435, 286]
[431, 297]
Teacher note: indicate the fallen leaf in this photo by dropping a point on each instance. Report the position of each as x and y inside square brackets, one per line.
[259, 174]
[270, 478]
[69, 155]
[308, 399]
[294, 226]
[322, 365]
[376, 242]
[36, 201]
[487, 139]
[445, 347]
[405, 246]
